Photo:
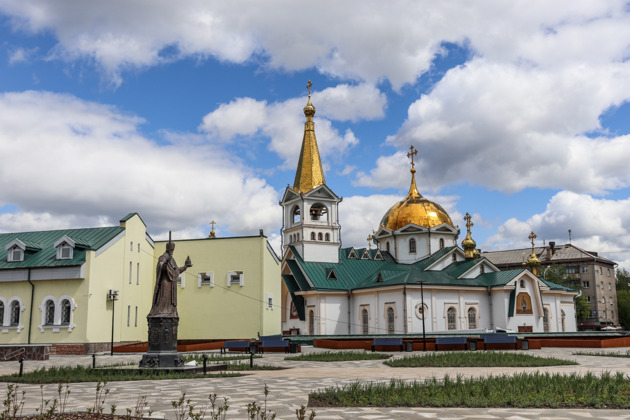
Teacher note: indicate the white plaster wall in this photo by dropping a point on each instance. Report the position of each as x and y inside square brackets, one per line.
[500, 302]
[334, 311]
[416, 323]
[321, 252]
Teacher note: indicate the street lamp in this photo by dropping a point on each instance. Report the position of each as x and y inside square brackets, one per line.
[113, 296]
[424, 337]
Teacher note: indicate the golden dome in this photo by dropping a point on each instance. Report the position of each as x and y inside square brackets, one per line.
[416, 209]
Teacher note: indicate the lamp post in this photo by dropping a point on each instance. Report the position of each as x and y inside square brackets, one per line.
[113, 296]
[424, 337]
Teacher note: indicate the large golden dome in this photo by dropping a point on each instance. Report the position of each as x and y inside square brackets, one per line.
[416, 209]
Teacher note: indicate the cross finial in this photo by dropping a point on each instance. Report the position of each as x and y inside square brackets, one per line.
[308, 86]
[213, 223]
[369, 239]
[532, 236]
[212, 232]
[469, 224]
[411, 154]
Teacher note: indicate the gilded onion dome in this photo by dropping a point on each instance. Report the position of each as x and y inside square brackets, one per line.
[533, 262]
[469, 244]
[415, 208]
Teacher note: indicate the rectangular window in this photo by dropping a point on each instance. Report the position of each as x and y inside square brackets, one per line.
[138, 273]
[205, 278]
[586, 284]
[610, 300]
[585, 269]
[128, 314]
[130, 271]
[608, 270]
[131, 246]
[65, 252]
[15, 254]
[269, 301]
[138, 247]
[235, 278]
[609, 286]
[588, 299]
[571, 269]
[135, 323]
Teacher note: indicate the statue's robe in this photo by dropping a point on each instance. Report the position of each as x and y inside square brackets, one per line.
[165, 294]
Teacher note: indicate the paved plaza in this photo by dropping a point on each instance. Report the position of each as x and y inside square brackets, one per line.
[289, 388]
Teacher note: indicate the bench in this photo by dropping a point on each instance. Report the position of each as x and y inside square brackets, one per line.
[274, 342]
[499, 339]
[387, 342]
[235, 345]
[451, 341]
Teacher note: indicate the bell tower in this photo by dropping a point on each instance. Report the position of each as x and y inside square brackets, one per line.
[310, 216]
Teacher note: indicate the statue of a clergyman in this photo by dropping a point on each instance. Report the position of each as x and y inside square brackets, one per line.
[167, 273]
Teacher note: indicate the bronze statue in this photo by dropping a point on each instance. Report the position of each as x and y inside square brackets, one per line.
[167, 273]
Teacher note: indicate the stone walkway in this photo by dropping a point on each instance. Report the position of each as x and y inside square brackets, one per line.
[289, 388]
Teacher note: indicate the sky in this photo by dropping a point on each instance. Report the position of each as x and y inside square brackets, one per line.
[192, 111]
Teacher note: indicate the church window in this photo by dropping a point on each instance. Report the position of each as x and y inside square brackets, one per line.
[390, 320]
[269, 301]
[451, 318]
[312, 236]
[378, 256]
[311, 322]
[522, 283]
[546, 320]
[379, 278]
[332, 275]
[387, 246]
[296, 214]
[454, 257]
[1, 313]
[319, 212]
[65, 312]
[482, 269]
[365, 328]
[128, 314]
[365, 255]
[15, 313]
[441, 243]
[352, 255]
[130, 271]
[472, 318]
[135, 322]
[327, 237]
[319, 236]
[412, 246]
[15, 254]
[49, 318]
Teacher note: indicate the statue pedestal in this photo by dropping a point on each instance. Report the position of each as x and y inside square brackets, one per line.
[162, 351]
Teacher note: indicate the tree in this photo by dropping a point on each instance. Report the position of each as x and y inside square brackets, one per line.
[558, 275]
[623, 280]
[623, 297]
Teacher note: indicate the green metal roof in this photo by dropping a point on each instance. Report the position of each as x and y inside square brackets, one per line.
[46, 254]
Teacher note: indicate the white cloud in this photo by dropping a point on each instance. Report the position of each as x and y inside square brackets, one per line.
[21, 55]
[598, 225]
[85, 162]
[283, 122]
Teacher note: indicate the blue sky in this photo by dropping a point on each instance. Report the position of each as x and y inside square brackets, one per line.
[192, 112]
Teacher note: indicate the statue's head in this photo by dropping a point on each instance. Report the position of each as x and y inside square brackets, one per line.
[170, 246]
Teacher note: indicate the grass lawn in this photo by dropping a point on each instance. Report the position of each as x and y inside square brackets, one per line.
[344, 356]
[601, 353]
[477, 359]
[525, 390]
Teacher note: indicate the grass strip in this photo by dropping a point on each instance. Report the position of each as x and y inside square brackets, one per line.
[345, 356]
[523, 390]
[477, 359]
[87, 374]
[215, 358]
[602, 353]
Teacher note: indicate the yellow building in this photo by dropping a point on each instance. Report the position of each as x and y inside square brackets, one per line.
[77, 288]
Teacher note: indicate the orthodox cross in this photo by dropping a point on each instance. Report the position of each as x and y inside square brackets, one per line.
[369, 239]
[213, 223]
[308, 86]
[469, 224]
[532, 236]
[411, 155]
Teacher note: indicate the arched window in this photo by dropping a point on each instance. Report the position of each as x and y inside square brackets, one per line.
[563, 318]
[546, 320]
[50, 313]
[451, 317]
[441, 243]
[319, 212]
[412, 246]
[296, 214]
[522, 284]
[387, 246]
[319, 236]
[454, 257]
[15, 313]
[311, 322]
[65, 312]
[327, 237]
[482, 269]
[312, 236]
[472, 318]
[365, 329]
[1, 313]
[297, 237]
[390, 320]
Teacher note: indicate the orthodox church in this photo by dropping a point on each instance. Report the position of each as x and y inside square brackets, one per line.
[418, 277]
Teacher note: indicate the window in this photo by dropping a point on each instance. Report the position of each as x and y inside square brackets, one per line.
[296, 214]
[15, 254]
[412, 246]
[181, 280]
[327, 237]
[585, 269]
[128, 314]
[390, 320]
[311, 322]
[319, 212]
[546, 320]
[130, 271]
[15, 313]
[138, 247]
[522, 284]
[608, 272]
[135, 322]
[482, 269]
[601, 270]
[588, 299]
[49, 318]
[603, 300]
[421, 310]
[586, 284]
[66, 309]
[312, 236]
[235, 278]
[609, 286]
[454, 257]
[451, 316]
[137, 273]
[1, 313]
[205, 278]
[604, 314]
[441, 243]
[319, 236]
[64, 251]
[601, 285]
[131, 246]
[472, 318]
[610, 300]
[365, 328]
[269, 301]
[387, 246]
[571, 269]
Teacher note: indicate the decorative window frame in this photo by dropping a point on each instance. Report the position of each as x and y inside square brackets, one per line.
[386, 308]
[369, 317]
[200, 279]
[474, 306]
[547, 307]
[421, 315]
[11, 247]
[57, 325]
[6, 325]
[5, 312]
[413, 245]
[448, 306]
[181, 280]
[311, 318]
[270, 304]
[241, 276]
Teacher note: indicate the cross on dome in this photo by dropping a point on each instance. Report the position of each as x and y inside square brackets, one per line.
[469, 224]
[411, 154]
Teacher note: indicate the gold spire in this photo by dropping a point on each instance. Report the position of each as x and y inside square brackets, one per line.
[310, 173]
[533, 260]
[469, 244]
[212, 232]
[413, 189]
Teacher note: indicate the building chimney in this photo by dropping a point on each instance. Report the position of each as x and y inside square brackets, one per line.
[552, 245]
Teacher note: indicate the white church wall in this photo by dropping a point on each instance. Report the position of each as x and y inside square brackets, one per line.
[415, 298]
[334, 313]
[500, 302]
[291, 323]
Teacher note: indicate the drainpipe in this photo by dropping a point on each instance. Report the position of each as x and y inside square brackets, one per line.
[30, 316]
[349, 314]
[490, 305]
[405, 305]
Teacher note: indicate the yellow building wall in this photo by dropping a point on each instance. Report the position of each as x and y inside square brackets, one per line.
[222, 311]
